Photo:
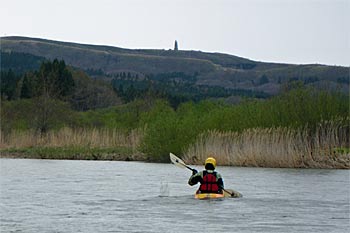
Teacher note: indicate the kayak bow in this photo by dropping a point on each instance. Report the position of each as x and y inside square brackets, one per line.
[228, 193]
[203, 196]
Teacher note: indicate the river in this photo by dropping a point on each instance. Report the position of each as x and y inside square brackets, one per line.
[111, 196]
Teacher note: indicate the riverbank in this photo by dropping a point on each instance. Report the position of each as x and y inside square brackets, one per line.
[74, 153]
[68, 143]
[338, 159]
[327, 146]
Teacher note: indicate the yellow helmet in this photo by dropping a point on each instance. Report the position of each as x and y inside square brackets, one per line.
[210, 160]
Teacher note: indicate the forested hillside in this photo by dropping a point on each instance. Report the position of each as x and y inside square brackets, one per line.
[208, 69]
[21, 69]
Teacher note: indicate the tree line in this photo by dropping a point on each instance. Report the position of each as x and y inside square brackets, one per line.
[53, 80]
[176, 87]
[175, 129]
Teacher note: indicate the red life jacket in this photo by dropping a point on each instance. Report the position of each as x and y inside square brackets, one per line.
[209, 183]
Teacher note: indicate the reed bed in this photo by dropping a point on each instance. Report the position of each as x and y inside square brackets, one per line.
[276, 147]
[68, 137]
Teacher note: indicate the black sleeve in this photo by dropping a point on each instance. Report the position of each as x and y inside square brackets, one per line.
[221, 183]
[195, 179]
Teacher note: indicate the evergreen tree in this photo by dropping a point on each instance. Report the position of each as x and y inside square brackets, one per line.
[9, 81]
[64, 82]
[55, 80]
[130, 93]
[120, 90]
[27, 87]
[263, 80]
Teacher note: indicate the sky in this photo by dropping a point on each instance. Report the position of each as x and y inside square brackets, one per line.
[284, 31]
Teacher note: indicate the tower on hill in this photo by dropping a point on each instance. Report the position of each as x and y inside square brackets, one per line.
[176, 47]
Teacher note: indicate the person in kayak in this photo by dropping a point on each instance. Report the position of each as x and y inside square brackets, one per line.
[210, 180]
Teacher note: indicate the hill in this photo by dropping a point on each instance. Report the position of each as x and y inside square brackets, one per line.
[192, 68]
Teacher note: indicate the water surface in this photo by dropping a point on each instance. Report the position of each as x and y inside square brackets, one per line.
[110, 196]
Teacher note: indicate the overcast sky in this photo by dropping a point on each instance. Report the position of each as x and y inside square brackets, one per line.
[288, 31]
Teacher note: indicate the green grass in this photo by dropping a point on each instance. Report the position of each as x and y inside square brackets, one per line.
[342, 150]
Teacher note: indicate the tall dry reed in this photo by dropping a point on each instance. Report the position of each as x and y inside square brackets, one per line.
[275, 147]
[72, 137]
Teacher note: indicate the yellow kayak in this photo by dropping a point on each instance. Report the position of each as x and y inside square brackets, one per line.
[202, 196]
[227, 193]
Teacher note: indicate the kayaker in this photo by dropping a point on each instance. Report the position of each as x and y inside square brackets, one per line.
[209, 179]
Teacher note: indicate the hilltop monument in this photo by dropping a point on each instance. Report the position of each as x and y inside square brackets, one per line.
[176, 47]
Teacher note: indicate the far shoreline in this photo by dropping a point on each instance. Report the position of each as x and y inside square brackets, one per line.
[74, 153]
[73, 157]
[137, 157]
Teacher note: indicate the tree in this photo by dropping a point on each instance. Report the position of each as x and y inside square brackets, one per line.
[27, 87]
[9, 82]
[130, 93]
[91, 94]
[56, 79]
[263, 80]
[47, 87]
[39, 113]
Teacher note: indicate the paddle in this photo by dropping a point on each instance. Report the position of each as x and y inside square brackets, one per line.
[180, 163]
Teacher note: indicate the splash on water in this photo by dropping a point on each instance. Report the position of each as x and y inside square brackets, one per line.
[164, 189]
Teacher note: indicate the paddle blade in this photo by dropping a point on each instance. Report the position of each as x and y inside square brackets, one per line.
[177, 161]
[232, 193]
